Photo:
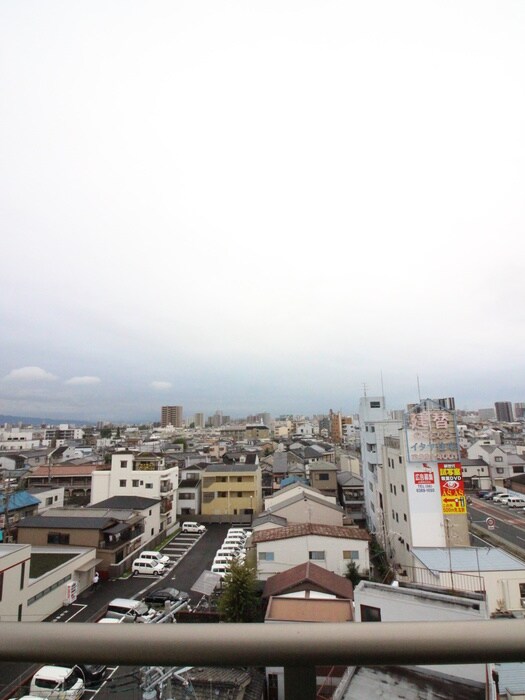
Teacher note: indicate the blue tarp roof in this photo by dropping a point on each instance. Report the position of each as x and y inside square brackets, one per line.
[17, 500]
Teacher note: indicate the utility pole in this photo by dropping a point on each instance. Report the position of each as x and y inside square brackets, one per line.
[6, 490]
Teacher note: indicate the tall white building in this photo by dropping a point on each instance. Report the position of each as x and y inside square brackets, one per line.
[375, 425]
[143, 474]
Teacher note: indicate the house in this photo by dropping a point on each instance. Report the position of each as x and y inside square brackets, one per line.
[298, 503]
[37, 581]
[307, 593]
[476, 474]
[75, 479]
[329, 546]
[490, 569]
[14, 507]
[143, 475]
[323, 476]
[308, 580]
[49, 497]
[351, 493]
[377, 602]
[116, 532]
[231, 490]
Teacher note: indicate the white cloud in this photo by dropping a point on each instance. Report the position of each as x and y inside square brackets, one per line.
[29, 374]
[160, 386]
[83, 381]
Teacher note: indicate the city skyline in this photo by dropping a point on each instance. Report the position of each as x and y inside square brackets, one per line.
[261, 207]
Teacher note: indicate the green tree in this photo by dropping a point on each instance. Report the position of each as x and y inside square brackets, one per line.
[239, 601]
[105, 432]
[352, 573]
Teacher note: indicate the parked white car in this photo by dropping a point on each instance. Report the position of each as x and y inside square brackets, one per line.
[193, 528]
[500, 498]
[147, 566]
[57, 683]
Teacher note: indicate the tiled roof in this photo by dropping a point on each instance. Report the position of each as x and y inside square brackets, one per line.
[126, 502]
[232, 468]
[303, 529]
[72, 523]
[309, 576]
[65, 470]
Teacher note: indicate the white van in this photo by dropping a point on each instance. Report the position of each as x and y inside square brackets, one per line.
[234, 539]
[193, 528]
[147, 566]
[232, 548]
[221, 569]
[156, 557]
[57, 682]
[231, 553]
[515, 502]
[128, 610]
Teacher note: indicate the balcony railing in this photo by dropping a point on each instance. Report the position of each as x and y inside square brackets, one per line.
[298, 647]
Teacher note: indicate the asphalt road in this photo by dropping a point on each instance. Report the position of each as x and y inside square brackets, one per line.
[509, 522]
[197, 556]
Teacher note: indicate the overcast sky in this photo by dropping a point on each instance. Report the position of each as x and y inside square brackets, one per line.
[260, 206]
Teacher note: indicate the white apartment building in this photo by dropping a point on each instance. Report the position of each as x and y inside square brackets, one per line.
[144, 474]
[375, 424]
[19, 439]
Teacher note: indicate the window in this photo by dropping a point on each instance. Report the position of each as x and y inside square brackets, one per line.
[517, 470]
[316, 555]
[405, 517]
[266, 556]
[400, 460]
[370, 614]
[403, 488]
[1, 583]
[498, 459]
[499, 470]
[49, 501]
[122, 483]
[135, 483]
[123, 463]
[222, 494]
[375, 404]
[372, 429]
[322, 477]
[57, 538]
[240, 494]
[522, 590]
[149, 486]
[381, 501]
[350, 554]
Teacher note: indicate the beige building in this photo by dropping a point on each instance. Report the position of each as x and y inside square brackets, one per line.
[231, 489]
[171, 415]
[36, 581]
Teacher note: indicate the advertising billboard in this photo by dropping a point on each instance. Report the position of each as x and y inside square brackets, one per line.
[452, 488]
[431, 434]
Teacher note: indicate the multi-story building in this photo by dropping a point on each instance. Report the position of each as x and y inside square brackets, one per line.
[375, 425]
[198, 420]
[230, 490]
[171, 415]
[504, 411]
[420, 488]
[519, 410]
[62, 434]
[144, 474]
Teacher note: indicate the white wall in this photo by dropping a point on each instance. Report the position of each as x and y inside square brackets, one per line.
[290, 552]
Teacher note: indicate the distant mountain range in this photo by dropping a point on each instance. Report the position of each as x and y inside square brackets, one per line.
[28, 420]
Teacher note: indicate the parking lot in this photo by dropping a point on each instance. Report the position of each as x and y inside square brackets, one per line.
[190, 555]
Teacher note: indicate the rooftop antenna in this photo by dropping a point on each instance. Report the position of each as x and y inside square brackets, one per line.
[418, 388]
[364, 388]
[382, 386]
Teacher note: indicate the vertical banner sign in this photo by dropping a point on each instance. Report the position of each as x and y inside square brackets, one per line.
[452, 488]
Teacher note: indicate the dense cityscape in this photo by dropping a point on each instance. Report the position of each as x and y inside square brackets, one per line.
[383, 515]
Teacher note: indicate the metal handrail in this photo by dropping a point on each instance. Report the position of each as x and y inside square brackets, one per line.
[291, 644]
